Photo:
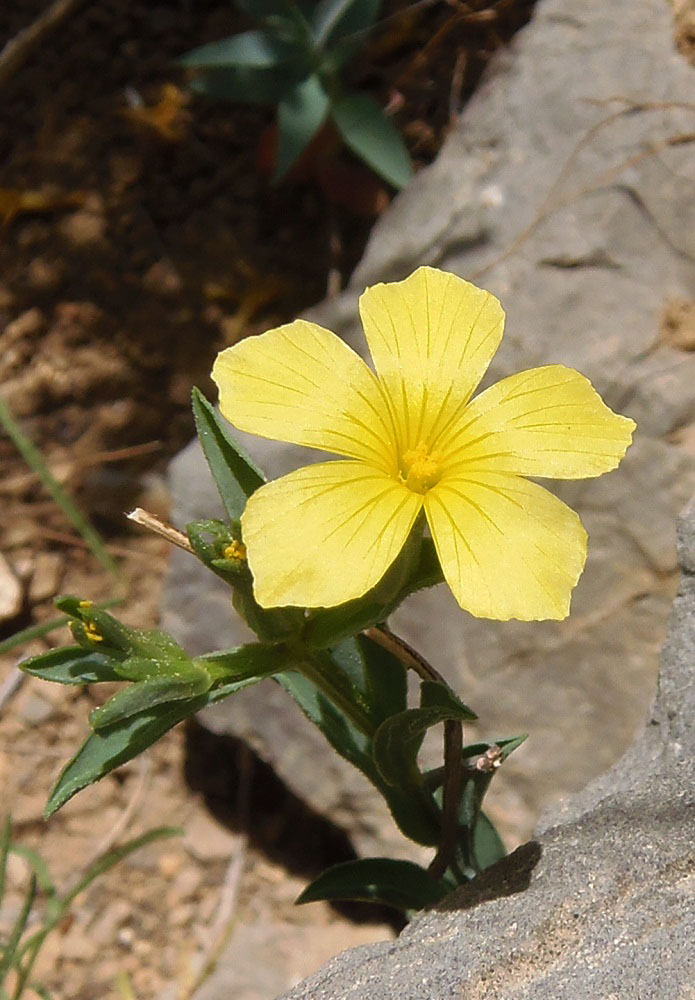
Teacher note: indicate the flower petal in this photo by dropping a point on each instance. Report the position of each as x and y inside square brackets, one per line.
[547, 421]
[325, 533]
[432, 338]
[508, 548]
[302, 384]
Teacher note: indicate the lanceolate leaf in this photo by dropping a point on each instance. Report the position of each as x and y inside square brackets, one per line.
[252, 49]
[301, 114]
[108, 748]
[399, 738]
[246, 84]
[335, 20]
[147, 694]
[487, 843]
[386, 682]
[72, 665]
[371, 135]
[234, 471]
[402, 884]
[335, 726]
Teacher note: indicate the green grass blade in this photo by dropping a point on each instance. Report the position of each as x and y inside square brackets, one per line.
[43, 876]
[4, 851]
[34, 459]
[7, 958]
[112, 858]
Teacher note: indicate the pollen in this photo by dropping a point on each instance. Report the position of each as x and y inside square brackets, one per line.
[92, 632]
[235, 550]
[85, 605]
[420, 468]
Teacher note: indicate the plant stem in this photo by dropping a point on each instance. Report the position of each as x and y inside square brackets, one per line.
[404, 652]
[453, 775]
[453, 744]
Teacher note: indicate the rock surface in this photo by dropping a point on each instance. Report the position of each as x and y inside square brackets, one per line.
[580, 218]
[601, 904]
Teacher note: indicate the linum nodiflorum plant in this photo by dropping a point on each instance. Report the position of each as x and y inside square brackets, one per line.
[431, 486]
[295, 60]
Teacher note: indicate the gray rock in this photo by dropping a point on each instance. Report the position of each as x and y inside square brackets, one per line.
[601, 904]
[582, 221]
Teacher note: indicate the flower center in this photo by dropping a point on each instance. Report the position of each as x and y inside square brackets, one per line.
[420, 470]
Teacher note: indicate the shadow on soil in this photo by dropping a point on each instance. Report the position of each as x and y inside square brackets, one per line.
[244, 794]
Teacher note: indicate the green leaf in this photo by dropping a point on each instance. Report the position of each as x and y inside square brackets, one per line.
[334, 20]
[254, 660]
[108, 748]
[386, 681]
[72, 665]
[301, 113]
[398, 739]
[252, 49]
[147, 694]
[487, 843]
[234, 472]
[343, 736]
[434, 694]
[412, 807]
[347, 655]
[402, 884]
[245, 85]
[275, 9]
[371, 135]
[427, 571]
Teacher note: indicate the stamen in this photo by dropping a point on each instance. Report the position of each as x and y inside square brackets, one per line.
[235, 550]
[92, 632]
[420, 470]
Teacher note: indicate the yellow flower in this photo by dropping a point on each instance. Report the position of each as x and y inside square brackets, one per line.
[414, 440]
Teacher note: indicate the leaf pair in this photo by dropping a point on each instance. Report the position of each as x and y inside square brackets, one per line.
[165, 691]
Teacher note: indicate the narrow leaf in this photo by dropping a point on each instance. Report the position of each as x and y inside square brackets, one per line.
[71, 665]
[235, 473]
[107, 749]
[334, 20]
[342, 735]
[371, 135]
[487, 843]
[256, 49]
[433, 694]
[245, 85]
[398, 739]
[35, 460]
[301, 113]
[402, 884]
[386, 682]
[145, 695]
